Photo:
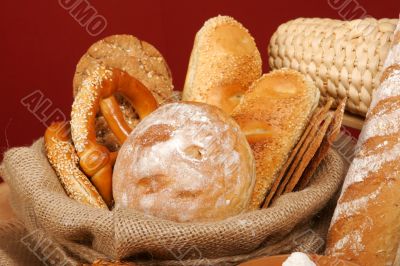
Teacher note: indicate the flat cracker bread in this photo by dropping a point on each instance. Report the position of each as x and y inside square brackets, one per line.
[316, 118]
[331, 136]
[309, 154]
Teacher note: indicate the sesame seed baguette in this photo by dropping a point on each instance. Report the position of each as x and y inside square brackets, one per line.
[223, 64]
[273, 114]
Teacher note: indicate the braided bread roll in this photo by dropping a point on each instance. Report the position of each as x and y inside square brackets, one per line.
[343, 58]
[366, 224]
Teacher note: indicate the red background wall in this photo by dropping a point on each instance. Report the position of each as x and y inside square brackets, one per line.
[41, 43]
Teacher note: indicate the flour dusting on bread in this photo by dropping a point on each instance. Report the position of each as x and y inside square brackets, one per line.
[185, 162]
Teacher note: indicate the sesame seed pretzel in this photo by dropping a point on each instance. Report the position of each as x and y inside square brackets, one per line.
[97, 95]
[62, 156]
[140, 60]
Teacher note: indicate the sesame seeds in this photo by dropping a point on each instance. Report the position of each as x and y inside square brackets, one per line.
[224, 55]
[139, 59]
[62, 157]
[83, 108]
[222, 20]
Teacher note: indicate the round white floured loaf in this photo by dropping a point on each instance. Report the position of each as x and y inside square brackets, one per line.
[185, 162]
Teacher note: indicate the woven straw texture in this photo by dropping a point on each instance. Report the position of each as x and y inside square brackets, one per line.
[73, 232]
[343, 58]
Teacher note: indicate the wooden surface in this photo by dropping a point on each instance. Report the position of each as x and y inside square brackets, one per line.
[353, 121]
[5, 208]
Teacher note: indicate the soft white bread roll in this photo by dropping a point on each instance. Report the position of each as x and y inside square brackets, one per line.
[186, 162]
[273, 115]
[366, 224]
[224, 62]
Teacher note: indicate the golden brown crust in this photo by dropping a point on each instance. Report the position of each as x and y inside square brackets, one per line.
[273, 114]
[309, 154]
[365, 226]
[386, 106]
[62, 156]
[389, 71]
[301, 156]
[371, 233]
[288, 163]
[139, 59]
[330, 137]
[223, 64]
[317, 118]
[97, 95]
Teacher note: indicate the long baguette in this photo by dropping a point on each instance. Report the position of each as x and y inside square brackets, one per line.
[366, 225]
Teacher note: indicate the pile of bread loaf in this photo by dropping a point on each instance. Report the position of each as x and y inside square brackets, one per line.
[233, 142]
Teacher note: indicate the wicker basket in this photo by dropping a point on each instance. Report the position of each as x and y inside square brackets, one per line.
[343, 58]
[82, 234]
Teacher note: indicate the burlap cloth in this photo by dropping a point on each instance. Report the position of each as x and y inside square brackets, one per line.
[53, 229]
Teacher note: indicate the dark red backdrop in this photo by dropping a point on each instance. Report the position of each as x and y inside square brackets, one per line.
[41, 43]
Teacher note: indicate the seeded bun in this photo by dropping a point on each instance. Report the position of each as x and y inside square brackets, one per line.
[223, 64]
